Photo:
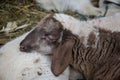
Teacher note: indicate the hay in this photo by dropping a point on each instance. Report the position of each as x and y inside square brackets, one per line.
[20, 11]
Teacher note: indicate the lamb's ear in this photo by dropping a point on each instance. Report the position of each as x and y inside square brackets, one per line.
[62, 57]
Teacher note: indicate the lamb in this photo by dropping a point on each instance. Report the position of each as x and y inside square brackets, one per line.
[17, 65]
[80, 6]
[90, 47]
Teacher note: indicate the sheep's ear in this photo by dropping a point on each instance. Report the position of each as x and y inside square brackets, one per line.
[62, 57]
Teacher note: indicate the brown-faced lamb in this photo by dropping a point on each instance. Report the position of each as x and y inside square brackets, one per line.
[17, 65]
[90, 47]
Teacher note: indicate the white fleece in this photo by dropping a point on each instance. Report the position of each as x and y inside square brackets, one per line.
[77, 27]
[84, 28]
[80, 6]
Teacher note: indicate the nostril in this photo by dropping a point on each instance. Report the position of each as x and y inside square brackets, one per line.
[23, 48]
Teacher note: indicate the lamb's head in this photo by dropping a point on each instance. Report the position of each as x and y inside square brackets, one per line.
[44, 37]
[51, 37]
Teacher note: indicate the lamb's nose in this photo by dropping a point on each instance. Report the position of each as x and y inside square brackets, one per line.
[25, 48]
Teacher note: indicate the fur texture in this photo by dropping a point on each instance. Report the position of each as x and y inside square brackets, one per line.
[90, 54]
[80, 6]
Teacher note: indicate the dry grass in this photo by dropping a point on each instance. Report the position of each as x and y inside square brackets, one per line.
[25, 12]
